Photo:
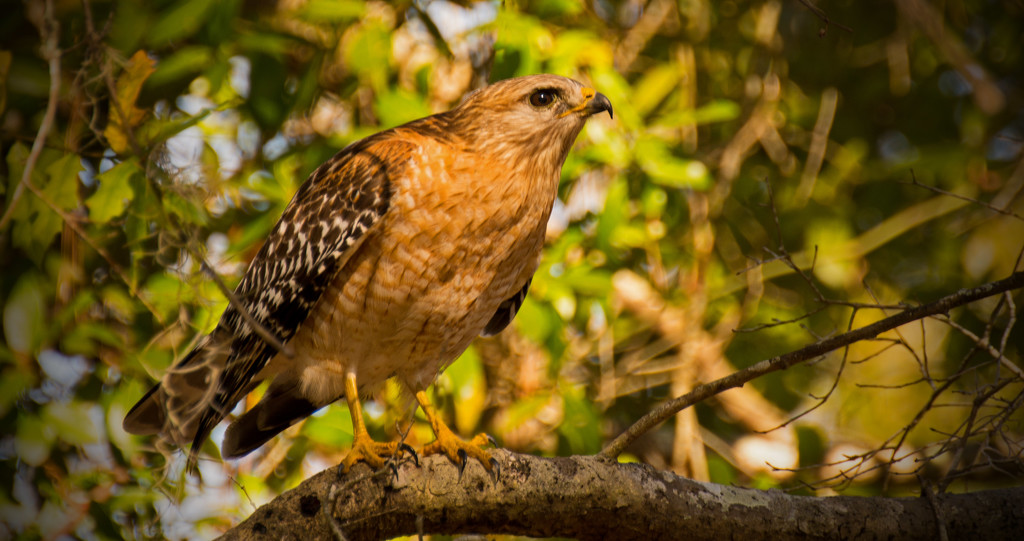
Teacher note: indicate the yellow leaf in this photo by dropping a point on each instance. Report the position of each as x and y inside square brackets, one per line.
[139, 68]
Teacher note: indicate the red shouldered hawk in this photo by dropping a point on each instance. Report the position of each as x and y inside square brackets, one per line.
[389, 260]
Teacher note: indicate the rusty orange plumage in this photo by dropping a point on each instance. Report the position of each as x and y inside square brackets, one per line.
[388, 261]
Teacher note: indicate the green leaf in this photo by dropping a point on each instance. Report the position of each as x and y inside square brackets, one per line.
[268, 99]
[369, 55]
[666, 169]
[581, 424]
[468, 389]
[398, 107]
[615, 213]
[332, 428]
[24, 315]
[34, 439]
[811, 445]
[534, 321]
[559, 8]
[523, 410]
[118, 401]
[119, 303]
[654, 87]
[523, 41]
[83, 338]
[114, 192]
[130, 25]
[715, 111]
[331, 11]
[184, 63]
[62, 188]
[574, 48]
[71, 422]
[157, 131]
[180, 22]
[40, 223]
[16, 158]
[166, 294]
[13, 382]
[720, 471]
[254, 232]
[189, 211]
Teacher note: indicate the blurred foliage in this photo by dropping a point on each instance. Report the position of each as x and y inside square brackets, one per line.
[744, 132]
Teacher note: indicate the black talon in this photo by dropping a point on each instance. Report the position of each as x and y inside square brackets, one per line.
[490, 439]
[495, 470]
[463, 459]
[394, 469]
[406, 447]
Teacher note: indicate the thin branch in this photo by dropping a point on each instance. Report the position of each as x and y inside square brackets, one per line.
[737, 379]
[776, 322]
[49, 30]
[940, 191]
[260, 329]
[820, 13]
[985, 346]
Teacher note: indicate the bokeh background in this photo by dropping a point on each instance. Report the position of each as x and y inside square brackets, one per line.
[775, 171]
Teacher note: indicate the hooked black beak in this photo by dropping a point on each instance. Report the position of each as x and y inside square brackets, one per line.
[599, 103]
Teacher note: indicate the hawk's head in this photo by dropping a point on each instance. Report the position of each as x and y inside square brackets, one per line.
[532, 115]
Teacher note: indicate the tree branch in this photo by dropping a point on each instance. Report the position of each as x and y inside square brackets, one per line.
[813, 351]
[592, 498]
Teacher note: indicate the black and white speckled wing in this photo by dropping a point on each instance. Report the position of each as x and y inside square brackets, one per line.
[318, 231]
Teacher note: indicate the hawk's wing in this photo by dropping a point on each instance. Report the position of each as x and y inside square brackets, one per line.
[319, 230]
[506, 311]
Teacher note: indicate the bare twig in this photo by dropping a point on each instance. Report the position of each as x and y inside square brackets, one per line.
[260, 329]
[940, 191]
[785, 258]
[821, 399]
[778, 322]
[820, 13]
[737, 379]
[985, 346]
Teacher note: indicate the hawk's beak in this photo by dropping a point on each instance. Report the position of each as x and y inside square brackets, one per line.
[593, 102]
[599, 103]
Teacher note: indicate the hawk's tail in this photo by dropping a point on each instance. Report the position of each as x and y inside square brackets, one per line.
[184, 407]
[281, 406]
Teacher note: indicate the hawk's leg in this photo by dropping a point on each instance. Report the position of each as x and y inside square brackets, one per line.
[374, 453]
[454, 447]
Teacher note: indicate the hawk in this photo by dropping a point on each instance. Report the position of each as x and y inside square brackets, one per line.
[389, 260]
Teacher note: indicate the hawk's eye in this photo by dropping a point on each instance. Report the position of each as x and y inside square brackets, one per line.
[542, 98]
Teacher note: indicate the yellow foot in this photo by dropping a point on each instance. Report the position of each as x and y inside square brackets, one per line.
[376, 454]
[459, 450]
